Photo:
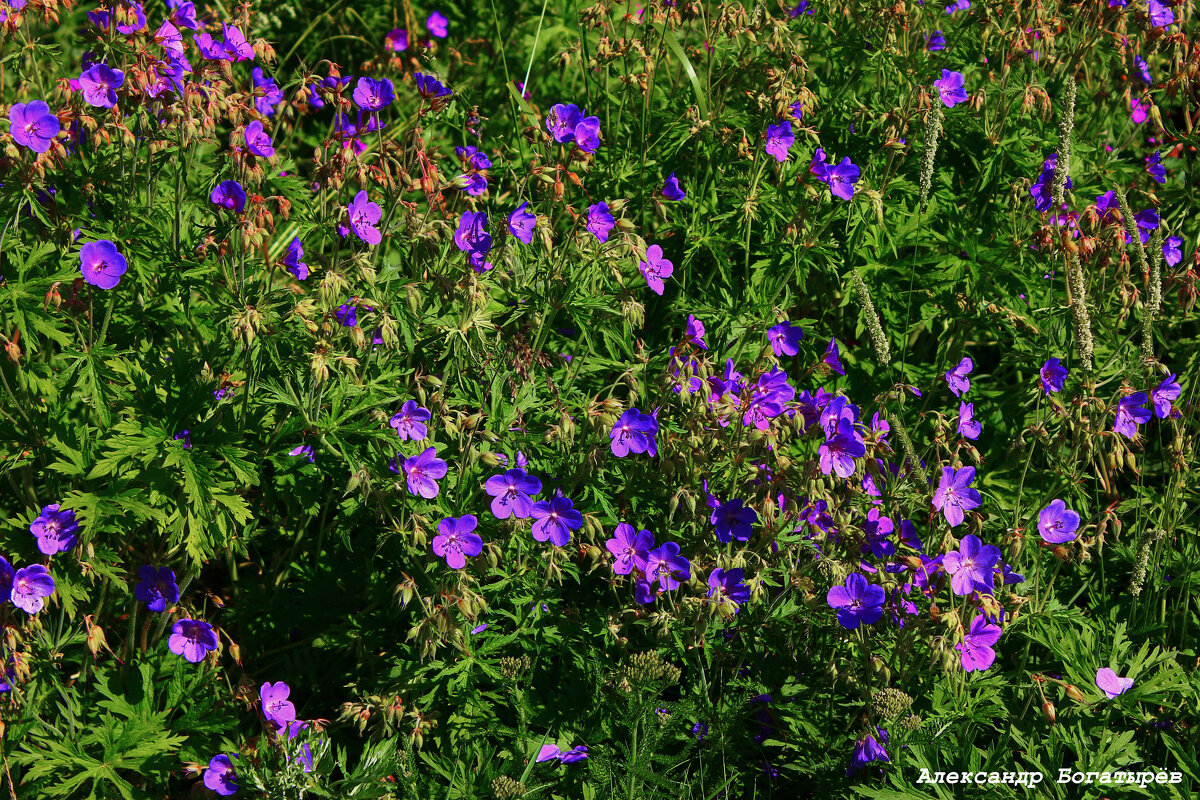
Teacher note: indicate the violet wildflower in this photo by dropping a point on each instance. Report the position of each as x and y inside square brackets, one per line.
[230, 195]
[32, 125]
[1147, 220]
[512, 493]
[655, 269]
[734, 520]
[837, 453]
[292, 261]
[561, 122]
[304, 757]
[430, 88]
[1112, 684]
[869, 749]
[548, 752]
[55, 529]
[258, 141]
[695, 332]
[1139, 110]
[423, 471]
[1052, 375]
[1161, 397]
[1172, 250]
[958, 5]
[410, 421]
[472, 238]
[785, 339]
[664, 563]
[157, 588]
[975, 649]
[556, 518]
[1143, 70]
[779, 140]
[1130, 414]
[578, 753]
[99, 84]
[102, 264]
[672, 190]
[436, 24]
[803, 7]
[193, 639]
[1042, 189]
[220, 777]
[600, 221]
[968, 426]
[954, 494]
[372, 95]
[950, 88]
[521, 223]
[1057, 524]
[347, 314]
[186, 437]
[634, 432]
[831, 358]
[30, 586]
[1155, 168]
[629, 549]
[936, 41]
[303, 450]
[363, 216]
[587, 134]
[840, 178]
[275, 704]
[727, 588]
[455, 540]
[1161, 15]
[957, 378]
[970, 567]
[396, 40]
[858, 602]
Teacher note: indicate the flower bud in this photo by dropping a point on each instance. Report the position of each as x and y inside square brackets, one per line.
[1074, 694]
[1049, 713]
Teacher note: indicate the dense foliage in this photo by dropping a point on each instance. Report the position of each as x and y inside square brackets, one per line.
[530, 399]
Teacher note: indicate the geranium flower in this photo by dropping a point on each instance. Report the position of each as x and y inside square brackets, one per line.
[868, 749]
[600, 221]
[971, 566]
[935, 42]
[785, 339]
[409, 422]
[1130, 414]
[512, 493]
[472, 238]
[1172, 250]
[672, 190]
[33, 126]
[220, 777]
[1052, 375]
[957, 378]
[455, 540]
[727, 588]
[423, 471]
[102, 264]
[275, 704]
[556, 518]
[30, 587]
[436, 24]
[55, 529]
[157, 588]
[629, 549]
[975, 649]
[99, 83]
[968, 426]
[655, 269]
[372, 95]
[1155, 168]
[664, 563]
[396, 40]
[734, 520]
[837, 453]
[230, 195]
[363, 216]
[779, 140]
[950, 88]
[831, 357]
[1057, 523]
[193, 639]
[521, 223]
[258, 141]
[858, 602]
[1112, 684]
[292, 261]
[634, 432]
[1162, 396]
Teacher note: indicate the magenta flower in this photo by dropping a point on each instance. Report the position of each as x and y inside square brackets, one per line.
[975, 649]
[1161, 15]
[655, 269]
[1163, 395]
[193, 639]
[857, 602]
[936, 41]
[779, 140]
[30, 587]
[55, 529]
[548, 752]
[99, 84]
[436, 24]
[664, 564]
[1130, 414]
[423, 471]
[372, 95]
[1172, 250]
[275, 704]
[157, 588]
[672, 190]
[363, 216]
[473, 239]
[785, 339]
[600, 221]
[1140, 110]
[954, 494]
[32, 125]
[840, 178]
[512, 493]
[957, 378]
[634, 432]
[556, 518]
[258, 141]
[521, 223]
[950, 88]
[410, 422]
[396, 40]
[1052, 375]
[837, 453]
[455, 540]
[1057, 523]
[733, 520]
[971, 566]
[968, 426]
[561, 122]
[304, 450]
[220, 777]
[101, 264]
[230, 195]
[1112, 684]
[630, 549]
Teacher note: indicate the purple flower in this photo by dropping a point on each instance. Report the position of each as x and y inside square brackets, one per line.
[561, 122]
[193, 639]
[1111, 684]
[363, 216]
[1130, 414]
[968, 426]
[1052, 375]
[275, 704]
[56, 528]
[1057, 523]
[303, 450]
[521, 223]
[954, 494]
[423, 471]
[957, 378]
[304, 757]
[430, 87]
[734, 520]
[785, 339]
[935, 42]
[372, 95]
[236, 46]
[840, 178]
[556, 518]
[347, 314]
[102, 264]
[975, 649]
[671, 189]
[1161, 397]
[1155, 168]
[857, 603]
[630, 549]
[664, 563]
[473, 239]
[455, 540]
[655, 269]
[634, 432]
[971, 565]
[837, 453]
[587, 134]
[727, 587]
[157, 588]
[292, 261]
[30, 586]
[831, 357]
[950, 88]
[186, 437]
[1139, 110]
[869, 749]
[436, 23]
[1147, 220]
[32, 125]
[1042, 190]
[258, 141]
[99, 83]
[1161, 14]
[220, 777]
[230, 195]
[1173, 250]
[1143, 69]
[396, 40]
[409, 422]
[958, 5]
[600, 221]
[512, 493]
[779, 140]
[695, 332]
[549, 752]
